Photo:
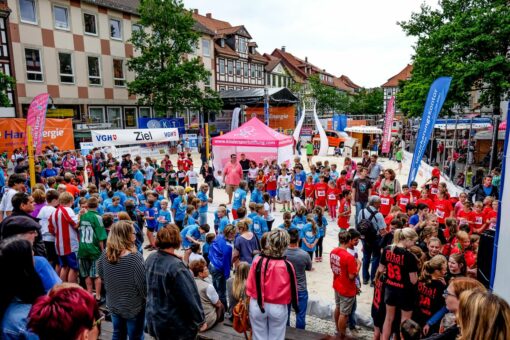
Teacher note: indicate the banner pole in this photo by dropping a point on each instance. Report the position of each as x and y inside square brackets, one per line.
[31, 161]
[206, 126]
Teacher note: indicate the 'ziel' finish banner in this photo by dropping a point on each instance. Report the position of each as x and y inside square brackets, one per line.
[435, 100]
[133, 136]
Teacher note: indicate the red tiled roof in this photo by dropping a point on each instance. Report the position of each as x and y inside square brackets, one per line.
[402, 75]
[271, 62]
[235, 30]
[257, 56]
[340, 84]
[298, 65]
[211, 23]
[349, 82]
[225, 50]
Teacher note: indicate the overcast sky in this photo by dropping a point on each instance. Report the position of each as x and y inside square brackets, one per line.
[357, 38]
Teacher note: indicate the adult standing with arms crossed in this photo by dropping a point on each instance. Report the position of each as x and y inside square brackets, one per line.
[232, 175]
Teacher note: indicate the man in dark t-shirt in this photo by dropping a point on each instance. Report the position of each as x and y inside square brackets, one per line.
[301, 262]
[361, 190]
[245, 164]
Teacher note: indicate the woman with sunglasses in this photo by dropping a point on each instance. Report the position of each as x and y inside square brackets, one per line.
[451, 296]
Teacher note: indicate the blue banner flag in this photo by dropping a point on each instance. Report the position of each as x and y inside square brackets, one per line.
[266, 111]
[435, 100]
[156, 123]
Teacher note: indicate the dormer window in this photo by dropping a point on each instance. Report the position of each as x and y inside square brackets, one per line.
[222, 42]
[243, 45]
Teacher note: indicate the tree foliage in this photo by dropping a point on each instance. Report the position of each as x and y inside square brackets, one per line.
[167, 78]
[6, 83]
[366, 101]
[466, 39]
[328, 98]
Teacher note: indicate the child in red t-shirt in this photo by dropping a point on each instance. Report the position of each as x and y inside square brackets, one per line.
[465, 216]
[415, 193]
[344, 212]
[487, 204]
[342, 181]
[491, 216]
[321, 189]
[478, 218]
[309, 189]
[433, 187]
[386, 202]
[271, 184]
[443, 208]
[403, 198]
[332, 199]
[424, 198]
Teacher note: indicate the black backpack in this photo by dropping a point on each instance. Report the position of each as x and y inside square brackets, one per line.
[365, 226]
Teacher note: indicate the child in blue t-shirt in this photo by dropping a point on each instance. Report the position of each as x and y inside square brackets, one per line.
[223, 220]
[299, 220]
[179, 206]
[164, 216]
[239, 198]
[209, 238]
[204, 203]
[115, 208]
[256, 194]
[309, 237]
[321, 223]
[192, 234]
[189, 219]
[259, 222]
[150, 217]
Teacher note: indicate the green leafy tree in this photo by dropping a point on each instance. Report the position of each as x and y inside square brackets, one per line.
[366, 101]
[167, 77]
[328, 98]
[466, 39]
[6, 83]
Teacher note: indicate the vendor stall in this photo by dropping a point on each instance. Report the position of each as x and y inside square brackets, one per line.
[366, 138]
[256, 140]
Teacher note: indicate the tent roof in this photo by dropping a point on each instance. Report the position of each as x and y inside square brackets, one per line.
[253, 133]
[277, 96]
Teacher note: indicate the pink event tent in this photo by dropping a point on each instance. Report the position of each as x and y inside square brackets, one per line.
[256, 140]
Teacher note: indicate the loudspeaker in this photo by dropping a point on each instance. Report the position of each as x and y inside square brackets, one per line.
[484, 260]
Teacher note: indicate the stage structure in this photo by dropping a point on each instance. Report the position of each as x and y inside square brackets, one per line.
[312, 103]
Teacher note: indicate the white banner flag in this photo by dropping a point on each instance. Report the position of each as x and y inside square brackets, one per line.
[133, 136]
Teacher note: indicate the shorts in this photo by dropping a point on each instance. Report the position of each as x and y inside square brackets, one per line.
[272, 193]
[284, 195]
[151, 228]
[402, 299]
[69, 260]
[399, 161]
[230, 188]
[344, 303]
[88, 268]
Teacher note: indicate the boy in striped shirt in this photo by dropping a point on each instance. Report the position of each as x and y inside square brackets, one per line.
[63, 223]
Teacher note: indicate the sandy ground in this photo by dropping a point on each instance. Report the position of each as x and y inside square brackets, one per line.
[320, 278]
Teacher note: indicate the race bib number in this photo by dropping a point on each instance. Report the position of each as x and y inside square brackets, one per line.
[298, 183]
[385, 201]
[440, 213]
[321, 193]
[434, 191]
[332, 197]
[478, 220]
[181, 175]
[404, 201]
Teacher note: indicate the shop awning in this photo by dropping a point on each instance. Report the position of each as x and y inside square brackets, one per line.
[251, 97]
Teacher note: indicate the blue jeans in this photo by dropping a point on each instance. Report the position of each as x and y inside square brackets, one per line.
[371, 257]
[359, 206]
[352, 316]
[132, 328]
[220, 284]
[301, 316]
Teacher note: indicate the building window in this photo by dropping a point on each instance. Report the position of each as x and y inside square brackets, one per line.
[94, 70]
[207, 83]
[245, 70]
[144, 112]
[238, 68]
[206, 48]
[96, 114]
[27, 11]
[253, 70]
[222, 88]
[61, 17]
[221, 63]
[89, 23]
[136, 27]
[118, 72]
[230, 67]
[65, 64]
[113, 116]
[33, 64]
[259, 71]
[243, 45]
[115, 29]
[130, 117]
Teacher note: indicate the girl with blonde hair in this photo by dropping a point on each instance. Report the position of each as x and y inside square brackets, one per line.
[401, 268]
[122, 270]
[483, 315]
[236, 285]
